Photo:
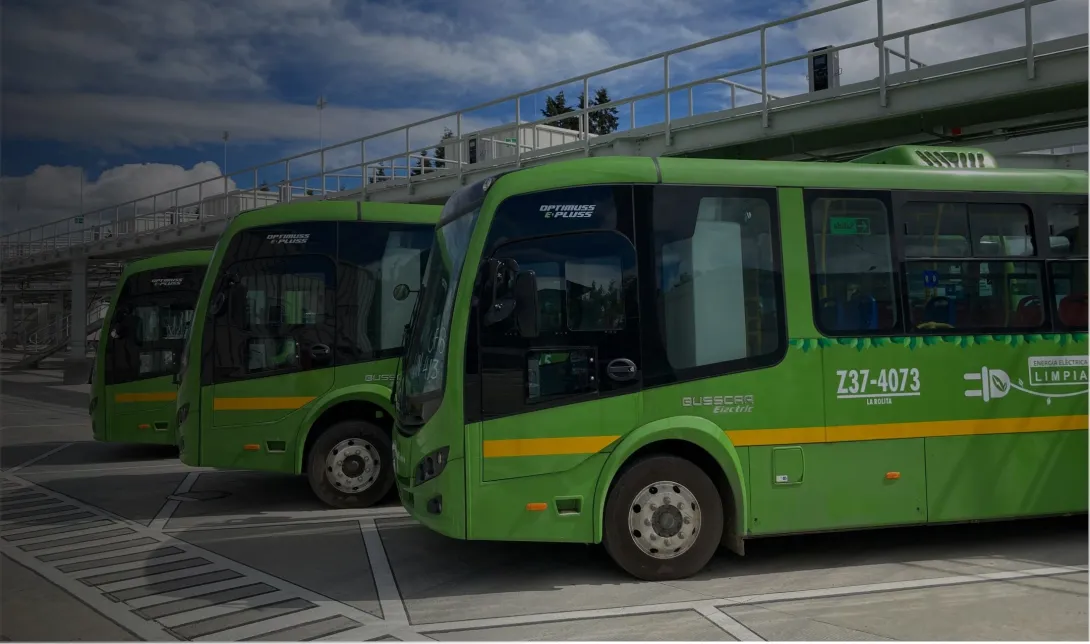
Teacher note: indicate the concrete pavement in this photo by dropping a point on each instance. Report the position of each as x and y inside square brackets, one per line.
[152, 549]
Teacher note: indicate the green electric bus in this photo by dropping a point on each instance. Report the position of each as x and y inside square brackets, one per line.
[296, 338]
[666, 355]
[132, 390]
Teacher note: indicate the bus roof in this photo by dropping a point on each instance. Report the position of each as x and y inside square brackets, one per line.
[167, 260]
[335, 211]
[860, 175]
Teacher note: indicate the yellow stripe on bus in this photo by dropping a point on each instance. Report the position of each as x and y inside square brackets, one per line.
[938, 429]
[264, 403]
[154, 396]
[805, 435]
[546, 446]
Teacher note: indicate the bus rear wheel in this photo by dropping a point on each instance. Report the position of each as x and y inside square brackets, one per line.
[663, 519]
[349, 465]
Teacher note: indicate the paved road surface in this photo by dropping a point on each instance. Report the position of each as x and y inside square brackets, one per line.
[107, 542]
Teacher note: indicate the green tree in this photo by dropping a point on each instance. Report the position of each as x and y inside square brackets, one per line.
[381, 172]
[605, 120]
[557, 106]
[441, 150]
[601, 121]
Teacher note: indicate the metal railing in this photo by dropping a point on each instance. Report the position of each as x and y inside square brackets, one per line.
[60, 329]
[215, 198]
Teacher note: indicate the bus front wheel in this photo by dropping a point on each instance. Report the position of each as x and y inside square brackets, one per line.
[663, 519]
[349, 465]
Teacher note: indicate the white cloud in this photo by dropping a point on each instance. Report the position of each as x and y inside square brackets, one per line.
[133, 75]
[106, 121]
[53, 193]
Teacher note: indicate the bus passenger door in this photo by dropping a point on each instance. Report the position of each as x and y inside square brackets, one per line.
[272, 357]
[553, 397]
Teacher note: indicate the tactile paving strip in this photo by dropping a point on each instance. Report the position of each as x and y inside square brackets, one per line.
[157, 585]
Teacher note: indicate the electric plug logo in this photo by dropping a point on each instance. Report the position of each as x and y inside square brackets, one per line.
[1068, 372]
[994, 383]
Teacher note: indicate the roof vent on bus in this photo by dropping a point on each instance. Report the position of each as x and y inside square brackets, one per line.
[931, 157]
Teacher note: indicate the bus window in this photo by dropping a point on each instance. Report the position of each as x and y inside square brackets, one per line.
[280, 311]
[152, 315]
[374, 258]
[716, 283]
[1067, 230]
[852, 263]
[1068, 275]
[1001, 230]
[953, 278]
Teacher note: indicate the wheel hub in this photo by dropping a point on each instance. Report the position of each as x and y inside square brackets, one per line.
[664, 520]
[667, 521]
[352, 465]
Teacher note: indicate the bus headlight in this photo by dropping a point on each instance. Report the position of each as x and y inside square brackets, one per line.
[431, 466]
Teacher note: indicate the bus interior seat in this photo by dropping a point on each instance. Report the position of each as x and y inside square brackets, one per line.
[1028, 313]
[940, 309]
[1072, 310]
[859, 313]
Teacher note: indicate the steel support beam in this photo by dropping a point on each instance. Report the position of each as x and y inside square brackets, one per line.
[77, 367]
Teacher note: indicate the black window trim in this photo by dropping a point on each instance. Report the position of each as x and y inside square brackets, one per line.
[650, 330]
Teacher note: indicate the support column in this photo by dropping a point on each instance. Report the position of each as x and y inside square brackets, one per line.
[77, 367]
[9, 322]
[56, 311]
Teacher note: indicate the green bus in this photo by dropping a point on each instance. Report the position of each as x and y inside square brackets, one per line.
[132, 388]
[297, 334]
[668, 355]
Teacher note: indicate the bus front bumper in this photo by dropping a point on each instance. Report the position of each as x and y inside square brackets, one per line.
[438, 503]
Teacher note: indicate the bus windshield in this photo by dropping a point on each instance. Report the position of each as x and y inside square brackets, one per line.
[151, 322]
[425, 353]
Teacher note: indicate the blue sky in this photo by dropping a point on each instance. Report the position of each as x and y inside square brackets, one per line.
[138, 93]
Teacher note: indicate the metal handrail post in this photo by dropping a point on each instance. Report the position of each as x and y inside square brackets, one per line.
[666, 96]
[764, 78]
[363, 170]
[883, 57]
[1030, 70]
[518, 134]
[458, 138]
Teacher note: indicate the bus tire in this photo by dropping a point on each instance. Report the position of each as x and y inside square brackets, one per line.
[349, 465]
[663, 519]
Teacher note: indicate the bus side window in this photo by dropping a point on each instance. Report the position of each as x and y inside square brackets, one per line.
[713, 293]
[971, 266]
[373, 259]
[851, 260]
[1067, 269]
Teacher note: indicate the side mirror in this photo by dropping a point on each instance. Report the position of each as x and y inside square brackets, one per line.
[401, 292]
[218, 302]
[118, 324]
[227, 284]
[501, 303]
[525, 291]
